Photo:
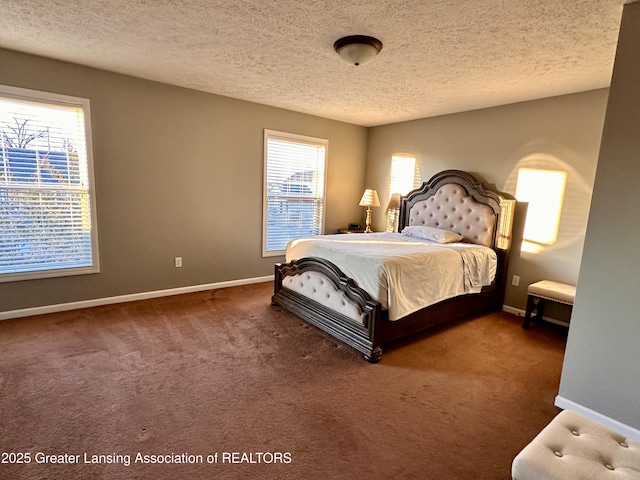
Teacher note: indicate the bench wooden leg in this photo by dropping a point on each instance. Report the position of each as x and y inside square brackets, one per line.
[534, 304]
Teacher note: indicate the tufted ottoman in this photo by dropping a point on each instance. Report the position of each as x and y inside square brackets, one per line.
[572, 447]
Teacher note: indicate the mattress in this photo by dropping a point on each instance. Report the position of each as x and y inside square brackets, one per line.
[404, 274]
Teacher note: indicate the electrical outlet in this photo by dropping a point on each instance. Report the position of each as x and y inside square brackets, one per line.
[515, 280]
[178, 262]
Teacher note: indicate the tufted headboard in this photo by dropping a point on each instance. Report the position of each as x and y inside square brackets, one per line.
[454, 200]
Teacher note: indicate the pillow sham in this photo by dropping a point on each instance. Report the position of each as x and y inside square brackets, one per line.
[431, 233]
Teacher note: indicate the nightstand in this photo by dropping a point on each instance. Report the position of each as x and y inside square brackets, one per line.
[346, 230]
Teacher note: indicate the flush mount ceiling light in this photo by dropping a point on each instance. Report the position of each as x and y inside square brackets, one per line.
[357, 49]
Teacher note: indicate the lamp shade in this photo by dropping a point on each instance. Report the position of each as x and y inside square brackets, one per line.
[370, 198]
[394, 201]
[357, 49]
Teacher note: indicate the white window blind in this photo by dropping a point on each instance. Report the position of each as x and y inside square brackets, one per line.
[294, 184]
[405, 174]
[403, 177]
[47, 219]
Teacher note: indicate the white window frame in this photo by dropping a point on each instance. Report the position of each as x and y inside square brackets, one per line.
[320, 196]
[87, 186]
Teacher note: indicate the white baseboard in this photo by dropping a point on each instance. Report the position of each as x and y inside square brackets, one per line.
[520, 313]
[62, 307]
[619, 427]
[515, 311]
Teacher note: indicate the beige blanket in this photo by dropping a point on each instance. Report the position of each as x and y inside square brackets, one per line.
[403, 273]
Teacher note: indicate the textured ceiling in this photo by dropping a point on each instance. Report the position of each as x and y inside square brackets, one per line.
[439, 56]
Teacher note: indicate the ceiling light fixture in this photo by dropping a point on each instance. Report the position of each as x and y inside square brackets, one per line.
[357, 49]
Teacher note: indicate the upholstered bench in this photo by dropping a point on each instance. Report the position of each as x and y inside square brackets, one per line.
[538, 293]
[572, 447]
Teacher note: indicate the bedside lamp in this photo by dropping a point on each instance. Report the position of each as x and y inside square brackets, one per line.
[369, 199]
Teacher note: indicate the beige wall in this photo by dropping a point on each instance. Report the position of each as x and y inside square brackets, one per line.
[601, 369]
[561, 132]
[178, 173]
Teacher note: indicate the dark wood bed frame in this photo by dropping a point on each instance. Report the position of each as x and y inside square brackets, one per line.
[376, 329]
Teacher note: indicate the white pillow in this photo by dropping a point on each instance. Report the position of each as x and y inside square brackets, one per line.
[431, 233]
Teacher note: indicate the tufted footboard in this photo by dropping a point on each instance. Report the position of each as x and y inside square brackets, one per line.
[318, 292]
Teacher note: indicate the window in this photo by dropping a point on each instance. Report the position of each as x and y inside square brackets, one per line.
[293, 204]
[47, 207]
[544, 192]
[405, 174]
[404, 177]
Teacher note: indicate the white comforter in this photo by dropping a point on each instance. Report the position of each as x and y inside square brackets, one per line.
[403, 273]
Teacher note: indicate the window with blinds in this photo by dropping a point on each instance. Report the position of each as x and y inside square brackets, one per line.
[403, 177]
[294, 184]
[47, 208]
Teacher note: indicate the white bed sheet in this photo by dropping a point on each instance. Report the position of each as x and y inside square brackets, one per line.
[403, 273]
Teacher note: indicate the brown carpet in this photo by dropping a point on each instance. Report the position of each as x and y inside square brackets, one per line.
[224, 371]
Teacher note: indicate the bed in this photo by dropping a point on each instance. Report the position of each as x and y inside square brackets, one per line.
[361, 311]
